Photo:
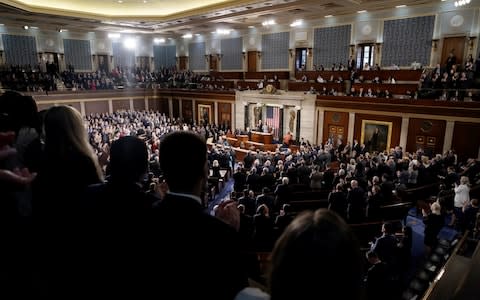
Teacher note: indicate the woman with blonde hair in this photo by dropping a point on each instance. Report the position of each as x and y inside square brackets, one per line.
[462, 198]
[69, 164]
[434, 222]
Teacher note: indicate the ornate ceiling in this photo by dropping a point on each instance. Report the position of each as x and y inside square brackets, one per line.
[172, 18]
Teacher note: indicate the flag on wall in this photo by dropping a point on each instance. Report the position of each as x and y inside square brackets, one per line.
[273, 120]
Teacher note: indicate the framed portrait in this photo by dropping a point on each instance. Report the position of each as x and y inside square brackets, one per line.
[376, 135]
[420, 139]
[431, 141]
[204, 114]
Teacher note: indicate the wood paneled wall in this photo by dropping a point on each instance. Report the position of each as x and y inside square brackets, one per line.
[94, 107]
[225, 114]
[187, 110]
[160, 105]
[334, 124]
[396, 126]
[139, 104]
[466, 139]
[121, 105]
[41, 107]
[176, 108]
[427, 134]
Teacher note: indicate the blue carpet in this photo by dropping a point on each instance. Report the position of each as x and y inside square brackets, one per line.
[418, 229]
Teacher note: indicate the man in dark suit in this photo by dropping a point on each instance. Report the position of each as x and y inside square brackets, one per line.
[356, 203]
[386, 245]
[115, 214]
[198, 255]
[265, 198]
[376, 281]
[351, 64]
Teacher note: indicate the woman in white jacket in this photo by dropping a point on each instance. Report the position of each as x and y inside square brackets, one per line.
[462, 196]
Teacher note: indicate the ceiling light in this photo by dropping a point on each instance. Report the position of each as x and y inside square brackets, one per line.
[145, 1]
[114, 35]
[2, 24]
[461, 3]
[33, 27]
[120, 1]
[251, 26]
[328, 16]
[269, 22]
[400, 6]
[361, 11]
[187, 36]
[197, 34]
[296, 23]
[223, 31]
[130, 43]
[25, 27]
[62, 30]
[158, 40]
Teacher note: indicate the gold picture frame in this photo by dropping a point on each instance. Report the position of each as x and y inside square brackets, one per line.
[376, 135]
[204, 112]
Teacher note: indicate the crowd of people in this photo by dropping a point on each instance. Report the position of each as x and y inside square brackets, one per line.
[450, 81]
[33, 79]
[115, 204]
[268, 184]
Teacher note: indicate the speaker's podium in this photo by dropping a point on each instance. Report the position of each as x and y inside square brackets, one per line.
[262, 137]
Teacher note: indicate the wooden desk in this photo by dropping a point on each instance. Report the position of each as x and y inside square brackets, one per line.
[262, 137]
[233, 142]
[242, 138]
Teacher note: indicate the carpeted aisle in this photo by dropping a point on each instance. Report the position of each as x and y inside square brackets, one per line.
[418, 228]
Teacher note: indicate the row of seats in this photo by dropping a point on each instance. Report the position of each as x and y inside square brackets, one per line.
[427, 273]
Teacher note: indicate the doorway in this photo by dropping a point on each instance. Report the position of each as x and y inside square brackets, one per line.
[300, 59]
[455, 45]
[252, 61]
[52, 62]
[213, 64]
[103, 65]
[365, 54]
[336, 133]
[182, 65]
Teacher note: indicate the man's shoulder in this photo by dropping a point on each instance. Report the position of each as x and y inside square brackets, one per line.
[175, 209]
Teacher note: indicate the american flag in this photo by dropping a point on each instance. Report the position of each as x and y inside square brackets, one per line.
[273, 119]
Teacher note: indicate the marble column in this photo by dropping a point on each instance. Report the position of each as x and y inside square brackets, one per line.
[280, 129]
[447, 143]
[403, 133]
[297, 129]
[180, 114]
[351, 126]
[170, 108]
[246, 119]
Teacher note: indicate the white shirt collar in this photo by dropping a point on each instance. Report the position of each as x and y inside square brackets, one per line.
[196, 198]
